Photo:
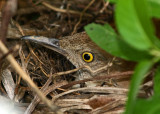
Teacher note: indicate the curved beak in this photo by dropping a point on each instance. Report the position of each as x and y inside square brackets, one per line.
[50, 43]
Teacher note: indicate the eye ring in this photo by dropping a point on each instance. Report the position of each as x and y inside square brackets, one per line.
[87, 57]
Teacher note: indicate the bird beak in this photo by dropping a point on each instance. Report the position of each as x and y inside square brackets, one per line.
[50, 43]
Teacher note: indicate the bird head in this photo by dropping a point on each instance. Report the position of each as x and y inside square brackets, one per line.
[80, 50]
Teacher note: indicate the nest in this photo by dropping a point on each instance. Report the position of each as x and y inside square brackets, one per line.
[52, 73]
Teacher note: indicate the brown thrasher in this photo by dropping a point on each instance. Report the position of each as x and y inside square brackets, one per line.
[81, 51]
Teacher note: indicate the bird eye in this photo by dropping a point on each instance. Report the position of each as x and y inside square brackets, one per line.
[87, 57]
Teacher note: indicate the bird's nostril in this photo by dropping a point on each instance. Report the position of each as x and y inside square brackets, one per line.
[56, 43]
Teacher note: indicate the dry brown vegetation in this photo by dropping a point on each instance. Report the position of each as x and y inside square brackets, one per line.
[55, 19]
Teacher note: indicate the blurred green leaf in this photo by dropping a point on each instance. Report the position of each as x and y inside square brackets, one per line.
[107, 39]
[139, 74]
[112, 1]
[147, 106]
[134, 23]
[157, 82]
[153, 4]
[154, 8]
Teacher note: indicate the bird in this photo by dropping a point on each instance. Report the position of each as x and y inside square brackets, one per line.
[81, 51]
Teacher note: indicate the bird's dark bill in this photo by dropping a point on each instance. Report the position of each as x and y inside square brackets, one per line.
[50, 43]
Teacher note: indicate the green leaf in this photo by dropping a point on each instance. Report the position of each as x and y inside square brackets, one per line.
[154, 8]
[150, 106]
[112, 1]
[139, 74]
[107, 39]
[133, 22]
[157, 82]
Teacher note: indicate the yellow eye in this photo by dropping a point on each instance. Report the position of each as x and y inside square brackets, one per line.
[87, 57]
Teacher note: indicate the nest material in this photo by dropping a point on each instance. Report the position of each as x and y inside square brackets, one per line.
[40, 63]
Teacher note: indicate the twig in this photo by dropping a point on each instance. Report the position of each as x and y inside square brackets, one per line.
[105, 5]
[93, 72]
[19, 28]
[25, 77]
[120, 91]
[101, 78]
[13, 33]
[29, 10]
[109, 106]
[36, 100]
[75, 27]
[67, 72]
[64, 11]
[66, 102]
[81, 107]
[7, 14]
[46, 91]
[43, 71]
[14, 49]
[30, 48]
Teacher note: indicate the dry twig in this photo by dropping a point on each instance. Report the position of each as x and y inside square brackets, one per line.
[46, 91]
[25, 77]
[7, 14]
[120, 91]
[63, 10]
[80, 19]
